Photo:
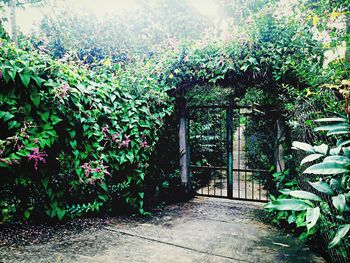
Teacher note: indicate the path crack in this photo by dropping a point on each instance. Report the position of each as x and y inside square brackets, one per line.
[175, 245]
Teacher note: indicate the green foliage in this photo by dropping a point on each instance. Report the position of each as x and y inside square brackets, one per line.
[334, 172]
[74, 141]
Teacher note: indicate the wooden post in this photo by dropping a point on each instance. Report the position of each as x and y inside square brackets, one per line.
[229, 135]
[280, 139]
[184, 146]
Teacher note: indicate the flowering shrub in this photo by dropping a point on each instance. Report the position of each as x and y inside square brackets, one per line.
[74, 141]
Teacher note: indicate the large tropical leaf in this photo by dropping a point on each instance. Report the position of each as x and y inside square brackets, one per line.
[338, 131]
[332, 127]
[311, 158]
[303, 146]
[339, 202]
[337, 159]
[323, 149]
[288, 204]
[322, 187]
[332, 119]
[342, 142]
[301, 194]
[327, 168]
[312, 215]
[341, 233]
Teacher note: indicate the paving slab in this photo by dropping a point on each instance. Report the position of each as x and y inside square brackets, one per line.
[202, 230]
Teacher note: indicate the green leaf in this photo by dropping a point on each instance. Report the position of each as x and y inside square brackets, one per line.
[338, 131]
[303, 146]
[73, 144]
[335, 151]
[322, 187]
[311, 157]
[45, 116]
[332, 127]
[25, 77]
[35, 99]
[342, 142]
[45, 182]
[312, 215]
[38, 80]
[339, 202]
[26, 215]
[323, 149]
[288, 204]
[337, 159]
[60, 213]
[130, 157]
[327, 169]
[305, 195]
[333, 119]
[55, 119]
[341, 233]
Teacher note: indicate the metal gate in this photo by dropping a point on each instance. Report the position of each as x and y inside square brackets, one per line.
[219, 151]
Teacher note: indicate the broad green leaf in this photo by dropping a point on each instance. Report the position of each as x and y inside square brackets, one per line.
[305, 195]
[339, 202]
[35, 99]
[323, 149]
[341, 233]
[38, 80]
[312, 215]
[335, 151]
[335, 184]
[60, 213]
[332, 127]
[337, 159]
[130, 156]
[25, 77]
[73, 143]
[303, 146]
[338, 131]
[288, 204]
[311, 157]
[342, 142]
[327, 169]
[322, 187]
[333, 119]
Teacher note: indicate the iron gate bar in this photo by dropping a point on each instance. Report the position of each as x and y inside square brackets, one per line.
[229, 135]
[207, 120]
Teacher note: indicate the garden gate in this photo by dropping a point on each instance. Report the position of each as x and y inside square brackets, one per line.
[222, 142]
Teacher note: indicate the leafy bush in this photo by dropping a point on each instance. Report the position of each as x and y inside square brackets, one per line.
[328, 202]
[74, 141]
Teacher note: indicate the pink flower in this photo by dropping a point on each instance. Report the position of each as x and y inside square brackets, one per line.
[36, 156]
[115, 137]
[144, 144]
[186, 58]
[36, 140]
[87, 169]
[125, 142]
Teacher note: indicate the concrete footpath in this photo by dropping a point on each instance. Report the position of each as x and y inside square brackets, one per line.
[202, 230]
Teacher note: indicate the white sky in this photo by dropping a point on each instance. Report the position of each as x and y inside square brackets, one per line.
[30, 16]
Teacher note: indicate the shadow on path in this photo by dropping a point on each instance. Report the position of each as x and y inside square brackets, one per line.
[202, 230]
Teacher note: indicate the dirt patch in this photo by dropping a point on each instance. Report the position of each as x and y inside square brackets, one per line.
[202, 230]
